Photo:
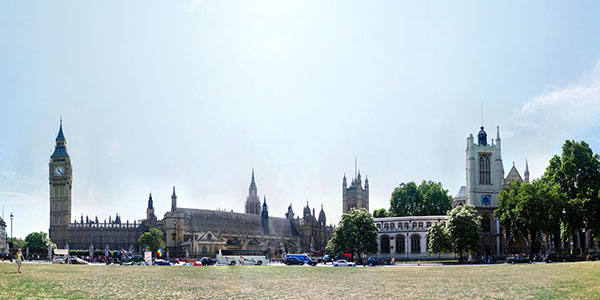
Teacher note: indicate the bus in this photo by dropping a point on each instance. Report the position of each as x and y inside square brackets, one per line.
[243, 257]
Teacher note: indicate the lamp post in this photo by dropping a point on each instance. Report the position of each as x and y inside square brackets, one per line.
[11, 227]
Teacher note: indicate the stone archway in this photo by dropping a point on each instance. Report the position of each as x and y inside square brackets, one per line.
[400, 244]
[384, 244]
[415, 243]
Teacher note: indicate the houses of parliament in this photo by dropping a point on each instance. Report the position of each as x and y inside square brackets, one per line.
[186, 231]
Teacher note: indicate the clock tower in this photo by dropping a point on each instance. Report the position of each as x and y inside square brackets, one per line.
[485, 176]
[61, 181]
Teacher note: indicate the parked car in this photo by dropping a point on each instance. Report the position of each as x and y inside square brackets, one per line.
[207, 261]
[573, 257]
[5, 256]
[518, 260]
[554, 257]
[343, 263]
[303, 258]
[293, 261]
[160, 262]
[375, 260]
[592, 256]
[328, 258]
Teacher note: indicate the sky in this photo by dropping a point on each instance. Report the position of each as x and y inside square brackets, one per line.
[195, 94]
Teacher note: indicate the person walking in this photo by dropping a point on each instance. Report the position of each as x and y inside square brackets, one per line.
[19, 259]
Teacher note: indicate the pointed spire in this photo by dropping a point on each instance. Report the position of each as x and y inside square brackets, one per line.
[252, 176]
[321, 207]
[150, 202]
[526, 170]
[174, 195]
[497, 133]
[60, 135]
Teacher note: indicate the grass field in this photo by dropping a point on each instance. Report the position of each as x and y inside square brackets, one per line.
[539, 281]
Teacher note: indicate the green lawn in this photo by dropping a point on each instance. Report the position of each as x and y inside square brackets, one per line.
[553, 281]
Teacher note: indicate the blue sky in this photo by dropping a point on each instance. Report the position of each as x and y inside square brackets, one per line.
[197, 93]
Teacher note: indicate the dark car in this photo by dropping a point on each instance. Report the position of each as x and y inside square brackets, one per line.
[554, 257]
[573, 257]
[592, 256]
[518, 260]
[5, 256]
[328, 258]
[207, 261]
[293, 261]
[375, 261]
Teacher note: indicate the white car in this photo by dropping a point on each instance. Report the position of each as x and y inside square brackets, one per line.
[343, 263]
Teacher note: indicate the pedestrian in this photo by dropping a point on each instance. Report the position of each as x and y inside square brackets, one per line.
[19, 259]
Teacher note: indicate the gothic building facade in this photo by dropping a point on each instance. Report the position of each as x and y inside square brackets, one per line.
[355, 195]
[3, 244]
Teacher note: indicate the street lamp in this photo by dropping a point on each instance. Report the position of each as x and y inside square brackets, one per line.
[11, 226]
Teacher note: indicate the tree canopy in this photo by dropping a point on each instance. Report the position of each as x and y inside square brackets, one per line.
[380, 213]
[356, 233]
[37, 242]
[439, 239]
[463, 229]
[428, 198]
[153, 239]
[577, 172]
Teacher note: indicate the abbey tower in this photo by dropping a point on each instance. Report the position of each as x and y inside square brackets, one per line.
[485, 177]
[61, 181]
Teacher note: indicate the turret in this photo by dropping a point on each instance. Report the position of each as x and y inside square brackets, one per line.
[265, 216]
[322, 219]
[290, 212]
[482, 137]
[366, 182]
[173, 201]
[150, 202]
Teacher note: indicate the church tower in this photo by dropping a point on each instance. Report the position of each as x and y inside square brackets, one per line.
[485, 177]
[355, 196]
[61, 181]
[252, 201]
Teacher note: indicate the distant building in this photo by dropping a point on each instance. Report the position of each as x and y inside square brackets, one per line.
[3, 244]
[355, 196]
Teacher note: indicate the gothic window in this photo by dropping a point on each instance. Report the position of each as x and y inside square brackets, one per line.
[385, 244]
[392, 226]
[486, 224]
[415, 244]
[209, 236]
[406, 225]
[420, 224]
[414, 225]
[484, 169]
[428, 224]
[204, 250]
[400, 243]
[378, 226]
[386, 226]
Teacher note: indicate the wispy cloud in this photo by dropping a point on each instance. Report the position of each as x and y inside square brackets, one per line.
[21, 198]
[564, 109]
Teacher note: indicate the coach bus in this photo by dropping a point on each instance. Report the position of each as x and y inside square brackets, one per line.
[243, 257]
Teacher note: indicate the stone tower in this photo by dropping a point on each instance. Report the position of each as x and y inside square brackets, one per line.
[485, 177]
[61, 181]
[355, 196]
[252, 201]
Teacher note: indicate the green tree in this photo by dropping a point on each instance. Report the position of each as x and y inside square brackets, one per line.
[428, 198]
[380, 213]
[356, 233]
[153, 239]
[520, 209]
[16, 243]
[37, 242]
[439, 239]
[463, 229]
[577, 172]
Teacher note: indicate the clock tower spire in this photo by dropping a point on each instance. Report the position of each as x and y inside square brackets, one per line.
[61, 180]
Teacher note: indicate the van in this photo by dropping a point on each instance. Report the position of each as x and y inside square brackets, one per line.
[303, 258]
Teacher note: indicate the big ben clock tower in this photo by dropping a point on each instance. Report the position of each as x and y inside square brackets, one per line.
[61, 181]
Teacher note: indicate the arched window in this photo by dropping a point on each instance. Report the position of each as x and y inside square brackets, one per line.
[386, 226]
[378, 226]
[384, 244]
[209, 236]
[406, 225]
[428, 224]
[414, 225]
[484, 168]
[400, 243]
[204, 250]
[415, 243]
[486, 224]
[392, 225]
[420, 224]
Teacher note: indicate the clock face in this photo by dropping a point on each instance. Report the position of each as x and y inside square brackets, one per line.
[485, 200]
[59, 171]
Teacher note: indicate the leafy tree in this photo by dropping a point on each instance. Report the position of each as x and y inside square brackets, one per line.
[577, 172]
[153, 239]
[463, 229]
[16, 243]
[37, 242]
[527, 209]
[429, 198]
[439, 239]
[380, 213]
[356, 233]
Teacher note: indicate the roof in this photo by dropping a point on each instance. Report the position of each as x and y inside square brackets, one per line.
[60, 152]
[462, 192]
[513, 174]
[202, 220]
